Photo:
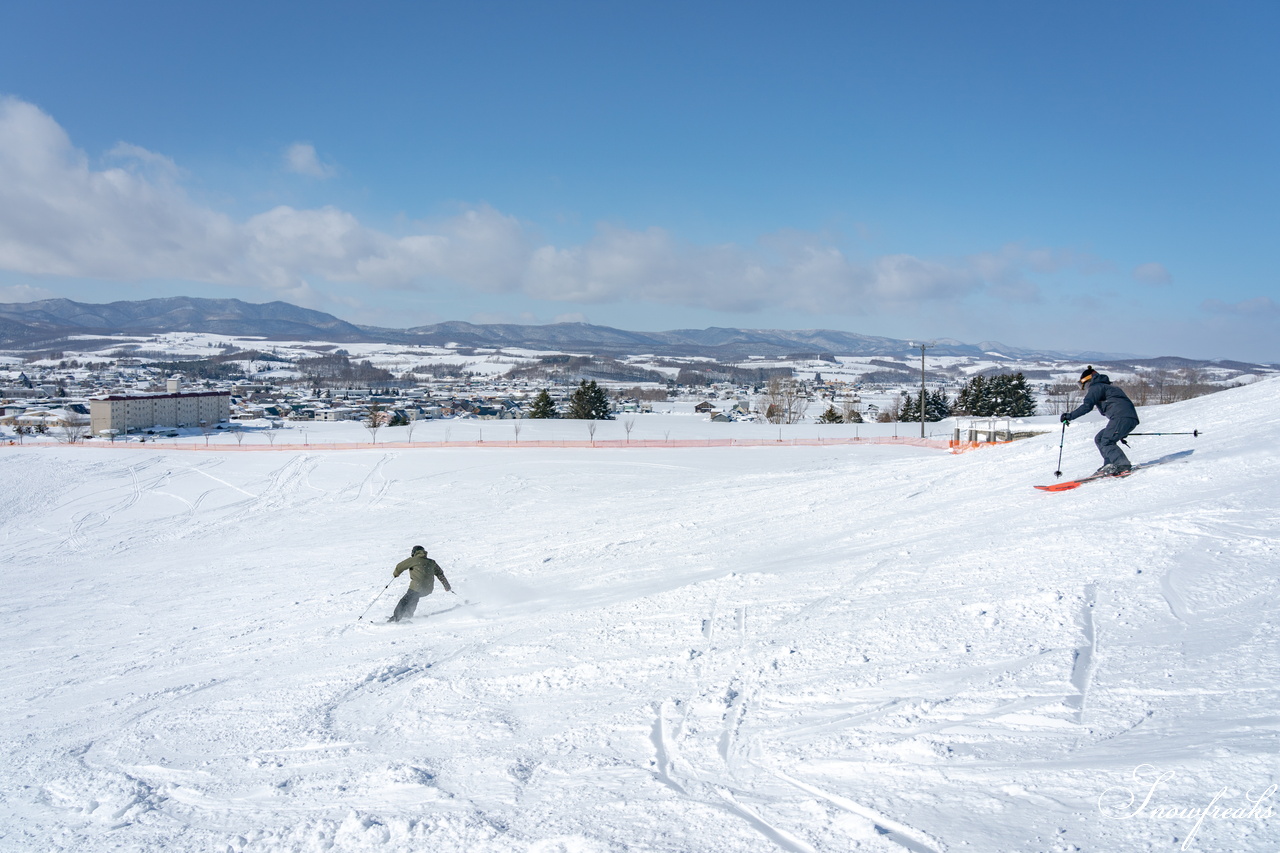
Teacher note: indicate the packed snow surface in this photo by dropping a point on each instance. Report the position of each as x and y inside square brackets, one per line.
[719, 649]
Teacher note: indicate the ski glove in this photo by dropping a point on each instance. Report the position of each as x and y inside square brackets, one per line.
[1065, 419]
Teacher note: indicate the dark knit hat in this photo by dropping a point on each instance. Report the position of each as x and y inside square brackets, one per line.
[1087, 374]
[416, 549]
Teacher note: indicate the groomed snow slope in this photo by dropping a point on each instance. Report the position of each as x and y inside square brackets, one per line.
[758, 649]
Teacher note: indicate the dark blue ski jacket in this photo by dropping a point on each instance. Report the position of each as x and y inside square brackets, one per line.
[1110, 400]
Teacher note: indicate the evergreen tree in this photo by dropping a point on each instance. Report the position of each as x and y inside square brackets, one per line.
[1007, 395]
[997, 396]
[1019, 401]
[830, 416]
[589, 403]
[936, 406]
[543, 406]
[908, 408]
[971, 397]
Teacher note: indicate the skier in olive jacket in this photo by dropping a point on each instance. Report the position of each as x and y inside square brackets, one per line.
[423, 572]
[1121, 417]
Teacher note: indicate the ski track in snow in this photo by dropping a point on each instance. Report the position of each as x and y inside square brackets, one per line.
[727, 649]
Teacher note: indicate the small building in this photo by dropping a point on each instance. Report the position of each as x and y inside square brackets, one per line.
[340, 413]
[21, 392]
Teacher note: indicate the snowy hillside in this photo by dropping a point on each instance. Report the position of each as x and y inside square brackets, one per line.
[728, 649]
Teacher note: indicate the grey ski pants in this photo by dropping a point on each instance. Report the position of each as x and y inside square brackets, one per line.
[405, 607]
[1109, 439]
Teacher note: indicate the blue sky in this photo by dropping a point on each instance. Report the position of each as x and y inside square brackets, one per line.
[1071, 176]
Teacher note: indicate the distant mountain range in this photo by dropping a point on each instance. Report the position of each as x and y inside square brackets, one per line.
[30, 322]
[47, 323]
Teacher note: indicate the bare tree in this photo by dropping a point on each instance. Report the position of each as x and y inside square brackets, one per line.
[629, 424]
[1191, 382]
[851, 409]
[1157, 387]
[797, 402]
[73, 431]
[375, 420]
[591, 428]
[769, 404]
[1062, 397]
[1158, 380]
[783, 401]
[516, 427]
[238, 431]
[1138, 389]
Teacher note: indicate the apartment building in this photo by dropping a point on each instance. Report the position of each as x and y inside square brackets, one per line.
[120, 413]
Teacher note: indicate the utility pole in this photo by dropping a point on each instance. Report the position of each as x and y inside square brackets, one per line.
[923, 347]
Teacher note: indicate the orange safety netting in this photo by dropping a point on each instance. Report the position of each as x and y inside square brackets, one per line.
[615, 444]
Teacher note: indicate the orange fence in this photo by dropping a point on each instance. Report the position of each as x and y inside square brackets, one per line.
[613, 444]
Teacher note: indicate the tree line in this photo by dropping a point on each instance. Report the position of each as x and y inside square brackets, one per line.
[1004, 396]
[589, 402]
[337, 369]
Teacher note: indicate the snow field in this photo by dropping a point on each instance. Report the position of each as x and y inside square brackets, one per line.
[727, 649]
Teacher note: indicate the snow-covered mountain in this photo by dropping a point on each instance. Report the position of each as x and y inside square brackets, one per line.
[50, 318]
[43, 323]
[729, 649]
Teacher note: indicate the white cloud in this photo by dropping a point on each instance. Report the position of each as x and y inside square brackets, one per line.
[60, 217]
[301, 158]
[132, 220]
[1153, 274]
[789, 270]
[24, 293]
[1259, 306]
[524, 318]
[156, 167]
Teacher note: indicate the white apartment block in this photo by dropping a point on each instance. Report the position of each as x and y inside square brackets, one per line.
[122, 413]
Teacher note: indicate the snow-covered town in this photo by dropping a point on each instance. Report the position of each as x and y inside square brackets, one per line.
[275, 390]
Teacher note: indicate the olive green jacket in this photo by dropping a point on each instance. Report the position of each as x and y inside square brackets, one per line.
[423, 572]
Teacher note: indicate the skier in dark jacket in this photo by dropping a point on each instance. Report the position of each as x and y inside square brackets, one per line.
[1121, 417]
[423, 572]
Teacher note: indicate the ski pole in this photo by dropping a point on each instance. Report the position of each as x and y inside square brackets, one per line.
[1194, 432]
[1061, 441]
[375, 598]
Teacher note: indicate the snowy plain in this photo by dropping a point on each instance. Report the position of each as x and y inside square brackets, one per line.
[651, 649]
